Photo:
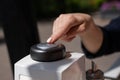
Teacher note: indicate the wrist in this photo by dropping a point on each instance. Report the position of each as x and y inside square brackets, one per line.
[89, 30]
[92, 39]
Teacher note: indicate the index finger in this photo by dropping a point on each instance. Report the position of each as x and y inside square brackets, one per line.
[61, 26]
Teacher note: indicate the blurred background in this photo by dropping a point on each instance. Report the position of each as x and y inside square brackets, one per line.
[46, 11]
[52, 8]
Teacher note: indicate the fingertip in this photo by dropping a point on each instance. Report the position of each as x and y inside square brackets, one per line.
[53, 38]
[49, 40]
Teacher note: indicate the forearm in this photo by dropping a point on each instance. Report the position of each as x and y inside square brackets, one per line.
[92, 39]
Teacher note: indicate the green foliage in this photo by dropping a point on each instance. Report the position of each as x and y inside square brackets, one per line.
[52, 8]
[83, 5]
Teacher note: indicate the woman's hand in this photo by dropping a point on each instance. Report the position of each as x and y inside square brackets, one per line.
[67, 26]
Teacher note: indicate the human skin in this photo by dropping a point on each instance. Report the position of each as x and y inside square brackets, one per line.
[67, 26]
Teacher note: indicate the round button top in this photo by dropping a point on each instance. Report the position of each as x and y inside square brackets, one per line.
[44, 46]
[47, 52]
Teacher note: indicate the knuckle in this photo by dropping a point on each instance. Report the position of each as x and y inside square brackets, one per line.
[89, 18]
[61, 15]
[72, 18]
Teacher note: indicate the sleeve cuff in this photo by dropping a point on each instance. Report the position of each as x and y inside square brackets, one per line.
[103, 49]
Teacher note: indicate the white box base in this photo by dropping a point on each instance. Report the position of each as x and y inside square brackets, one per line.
[72, 68]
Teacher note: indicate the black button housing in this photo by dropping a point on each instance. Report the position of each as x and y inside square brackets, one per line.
[45, 52]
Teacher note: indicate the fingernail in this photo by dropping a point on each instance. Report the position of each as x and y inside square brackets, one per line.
[49, 40]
